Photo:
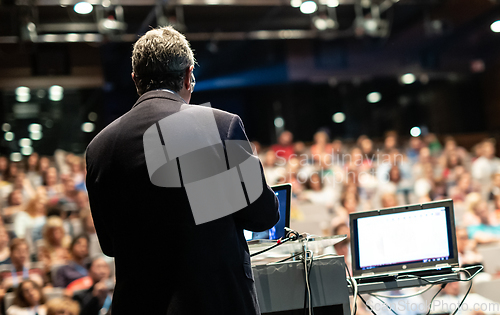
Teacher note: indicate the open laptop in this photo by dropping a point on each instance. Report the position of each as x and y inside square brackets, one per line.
[414, 239]
[284, 194]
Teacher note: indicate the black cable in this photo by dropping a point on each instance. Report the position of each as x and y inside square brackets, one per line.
[352, 285]
[385, 304]
[295, 236]
[371, 310]
[432, 300]
[270, 247]
[466, 293]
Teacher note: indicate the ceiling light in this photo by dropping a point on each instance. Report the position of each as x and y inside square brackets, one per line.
[279, 122]
[338, 117]
[23, 94]
[9, 136]
[83, 8]
[27, 150]
[415, 131]
[56, 93]
[35, 127]
[36, 135]
[408, 78]
[295, 3]
[495, 26]
[332, 3]
[24, 142]
[16, 157]
[88, 127]
[374, 97]
[308, 7]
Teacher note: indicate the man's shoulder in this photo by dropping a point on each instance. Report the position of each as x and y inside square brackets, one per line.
[105, 134]
[218, 113]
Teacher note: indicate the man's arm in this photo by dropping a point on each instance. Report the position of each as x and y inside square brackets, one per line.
[99, 200]
[263, 213]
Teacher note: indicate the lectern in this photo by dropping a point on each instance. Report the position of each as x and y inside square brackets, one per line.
[281, 287]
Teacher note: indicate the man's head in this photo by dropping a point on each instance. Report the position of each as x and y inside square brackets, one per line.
[162, 58]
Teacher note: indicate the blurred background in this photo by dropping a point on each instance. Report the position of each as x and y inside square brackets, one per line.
[360, 104]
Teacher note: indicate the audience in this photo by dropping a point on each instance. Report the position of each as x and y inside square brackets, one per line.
[28, 300]
[77, 267]
[45, 208]
[96, 299]
[20, 267]
[62, 306]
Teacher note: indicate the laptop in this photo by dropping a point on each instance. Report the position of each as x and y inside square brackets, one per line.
[415, 239]
[284, 194]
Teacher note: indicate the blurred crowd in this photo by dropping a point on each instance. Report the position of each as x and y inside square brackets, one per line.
[364, 175]
[50, 258]
[51, 261]
[342, 178]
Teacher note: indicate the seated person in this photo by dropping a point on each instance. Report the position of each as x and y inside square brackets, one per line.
[53, 249]
[19, 255]
[487, 231]
[28, 300]
[62, 306]
[4, 246]
[96, 299]
[77, 267]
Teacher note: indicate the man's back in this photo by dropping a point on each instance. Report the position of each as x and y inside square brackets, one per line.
[165, 263]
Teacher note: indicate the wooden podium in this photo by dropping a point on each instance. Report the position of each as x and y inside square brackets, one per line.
[281, 287]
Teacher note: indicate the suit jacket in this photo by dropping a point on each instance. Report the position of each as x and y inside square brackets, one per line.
[165, 263]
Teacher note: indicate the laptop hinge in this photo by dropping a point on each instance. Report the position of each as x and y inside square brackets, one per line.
[443, 265]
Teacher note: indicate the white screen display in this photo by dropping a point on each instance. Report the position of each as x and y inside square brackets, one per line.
[403, 237]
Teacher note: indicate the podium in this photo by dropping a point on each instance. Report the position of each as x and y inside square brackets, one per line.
[281, 288]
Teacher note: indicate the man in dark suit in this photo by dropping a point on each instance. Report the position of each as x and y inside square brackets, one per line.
[168, 260]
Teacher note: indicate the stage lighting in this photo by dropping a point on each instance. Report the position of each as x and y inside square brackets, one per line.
[322, 23]
[23, 94]
[408, 78]
[295, 3]
[279, 122]
[83, 8]
[88, 127]
[9, 136]
[374, 97]
[308, 7]
[338, 117]
[16, 157]
[495, 26]
[36, 135]
[415, 131]
[24, 142]
[56, 93]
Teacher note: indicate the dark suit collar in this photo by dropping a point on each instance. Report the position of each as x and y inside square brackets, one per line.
[159, 94]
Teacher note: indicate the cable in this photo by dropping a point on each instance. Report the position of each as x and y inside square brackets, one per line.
[432, 300]
[354, 286]
[295, 236]
[384, 304]
[466, 293]
[307, 253]
[371, 310]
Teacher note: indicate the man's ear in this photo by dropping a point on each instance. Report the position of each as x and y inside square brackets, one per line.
[133, 77]
[187, 78]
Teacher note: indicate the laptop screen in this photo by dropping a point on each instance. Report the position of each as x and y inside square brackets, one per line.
[402, 238]
[284, 194]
